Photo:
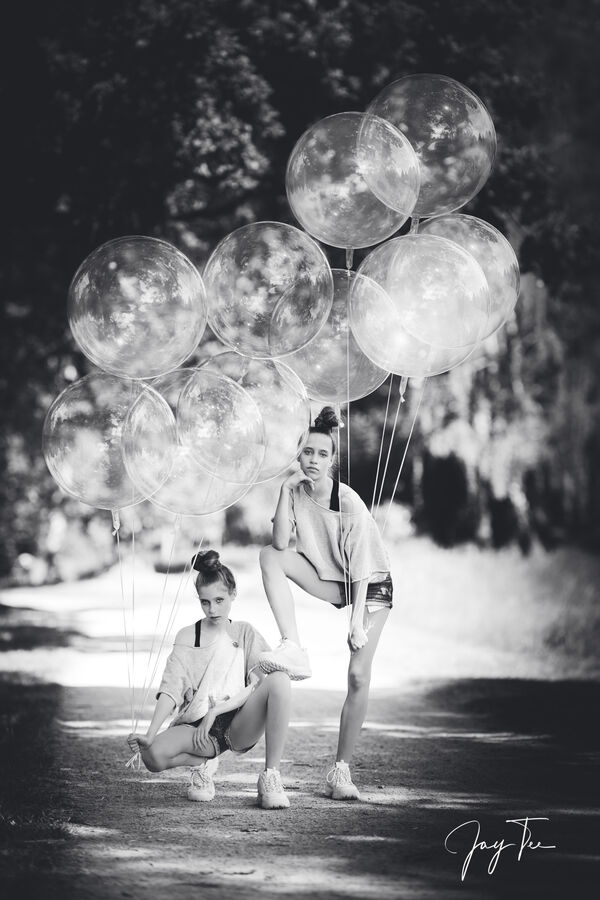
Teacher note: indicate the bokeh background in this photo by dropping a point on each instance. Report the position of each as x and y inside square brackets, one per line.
[176, 119]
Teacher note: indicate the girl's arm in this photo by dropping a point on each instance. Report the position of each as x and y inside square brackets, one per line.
[282, 525]
[163, 708]
[357, 636]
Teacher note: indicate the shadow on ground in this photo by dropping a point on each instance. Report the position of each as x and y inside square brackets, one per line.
[431, 758]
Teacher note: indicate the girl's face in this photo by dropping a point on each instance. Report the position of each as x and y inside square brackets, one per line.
[215, 601]
[316, 456]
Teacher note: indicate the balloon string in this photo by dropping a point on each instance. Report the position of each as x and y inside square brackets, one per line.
[133, 615]
[176, 527]
[389, 453]
[338, 413]
[184, 576]
[403, 457]
[381, 441]
[126, 641]
[349, 589]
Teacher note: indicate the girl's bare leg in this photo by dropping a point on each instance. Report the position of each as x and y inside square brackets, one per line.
[359, 679]
[279, 565]
[266, 710]
[174, 747]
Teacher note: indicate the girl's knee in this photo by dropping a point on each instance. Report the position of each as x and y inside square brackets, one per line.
[153, 761]
[278, 682]
[359, 679]
[269, 556]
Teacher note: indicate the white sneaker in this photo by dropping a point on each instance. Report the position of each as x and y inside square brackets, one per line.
[287, 657]
[271, 794]
[339, 783]
[202, 786]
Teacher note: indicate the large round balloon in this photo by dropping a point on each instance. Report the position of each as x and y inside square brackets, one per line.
[452, 134]
[281, 399]
[189, 489]
[220, 422]
[431, 312]
[137, 307]
[333, 367]
[352, 180]
[269, 289]
[82, 440]
[493, 253]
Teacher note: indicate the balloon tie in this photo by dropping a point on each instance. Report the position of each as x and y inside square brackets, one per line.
[349, 257]
[403, 386]
[414, 225]
[135, 761]
[116, 520]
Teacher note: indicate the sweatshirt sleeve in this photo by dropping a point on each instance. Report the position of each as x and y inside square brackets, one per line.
[175, 679]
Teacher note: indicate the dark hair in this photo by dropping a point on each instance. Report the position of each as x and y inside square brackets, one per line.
[210, 569]
[325, 422]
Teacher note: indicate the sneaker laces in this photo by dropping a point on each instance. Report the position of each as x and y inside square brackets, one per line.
[272, 782]
[340, 774]
[199, 777]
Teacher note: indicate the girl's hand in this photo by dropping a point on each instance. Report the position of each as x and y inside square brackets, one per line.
[139, 742]
[357, 638]
[205, 725]
[297, 478]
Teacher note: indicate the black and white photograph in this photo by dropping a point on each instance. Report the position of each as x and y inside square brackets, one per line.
[300, 450]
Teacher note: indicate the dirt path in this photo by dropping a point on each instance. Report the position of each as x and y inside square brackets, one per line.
[432, 757]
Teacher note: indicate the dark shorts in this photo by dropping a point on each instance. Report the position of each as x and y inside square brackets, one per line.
[219, 733]
[379, 593]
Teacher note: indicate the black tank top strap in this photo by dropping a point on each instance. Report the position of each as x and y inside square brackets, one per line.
[198, 626]
[334, 502]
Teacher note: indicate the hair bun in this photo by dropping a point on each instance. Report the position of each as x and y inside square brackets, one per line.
[327, 419]
[206, 561]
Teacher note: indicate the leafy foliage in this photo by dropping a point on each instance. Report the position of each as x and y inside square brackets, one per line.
[176, 119]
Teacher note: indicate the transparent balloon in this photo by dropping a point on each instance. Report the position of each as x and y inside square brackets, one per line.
[281, 399]
[493, 253]
[137, 307]
[451, 132]
[189, 490]
[269, 289]
[222, 425]
[431, 312]
[352, 180]
[149, 437]
[333, 367]
[82, 440]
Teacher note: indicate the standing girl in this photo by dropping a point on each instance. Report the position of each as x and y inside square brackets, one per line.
[223, 700]
[340, 557]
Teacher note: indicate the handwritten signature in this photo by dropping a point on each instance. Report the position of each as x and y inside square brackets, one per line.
[499, 846]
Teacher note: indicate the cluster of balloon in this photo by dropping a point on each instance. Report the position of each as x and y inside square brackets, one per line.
[420, 303]
[137, 309]
[192, 440]
[195, 440]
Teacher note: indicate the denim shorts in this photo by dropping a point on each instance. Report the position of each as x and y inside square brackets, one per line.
[219, 733]
[379, 594]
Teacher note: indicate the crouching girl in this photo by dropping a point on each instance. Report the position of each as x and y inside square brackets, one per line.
[223, 699]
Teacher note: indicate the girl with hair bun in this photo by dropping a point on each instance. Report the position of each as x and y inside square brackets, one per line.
[222, 698]
[339, 557]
